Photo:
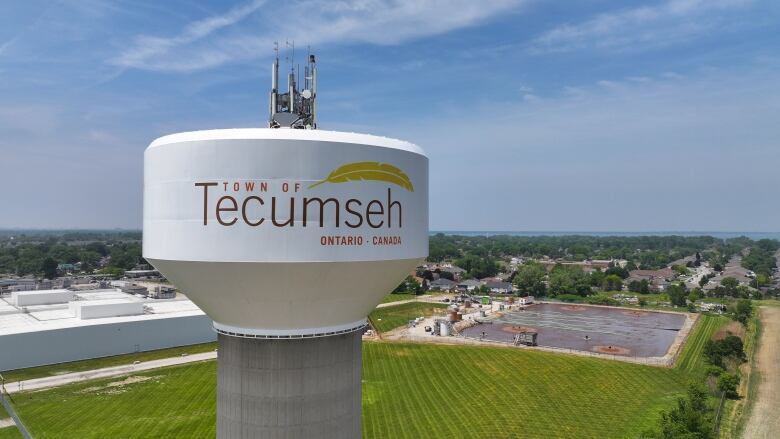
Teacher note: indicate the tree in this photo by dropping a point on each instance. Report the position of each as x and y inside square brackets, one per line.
[612, 282]
[425, 274]
[478, 266]
[634, 286]
[408, 286]
[677, 295]
[49, 268]
[728, 384]
[690, 419]
[730, 347]
[682, 270]
[447, 275]
[730, 284]
[529, 279]
[617, 270]
[761, 280]
[695, 295]
[742, 311]
[113, 271]
[568, 280]
[597, 278]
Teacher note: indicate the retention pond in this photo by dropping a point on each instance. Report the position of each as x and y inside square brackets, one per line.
[617, 331]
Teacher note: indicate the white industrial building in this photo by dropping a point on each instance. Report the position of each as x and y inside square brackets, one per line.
[57, 326]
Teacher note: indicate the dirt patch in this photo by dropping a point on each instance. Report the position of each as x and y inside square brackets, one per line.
[116, 387]
[636, 313]
[616, 350]
[517, 329]
[763, 421]
[8, 422]
[732, 328]
[573, 308]
[463, 324]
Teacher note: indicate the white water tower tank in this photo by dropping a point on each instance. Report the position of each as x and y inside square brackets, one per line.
[285, 232]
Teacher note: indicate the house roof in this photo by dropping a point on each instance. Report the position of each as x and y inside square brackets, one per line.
[499, 285]
[663, 273]
[454, 269]
[443, 282]
[470, 283]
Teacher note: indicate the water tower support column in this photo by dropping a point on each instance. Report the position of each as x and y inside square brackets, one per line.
[289, 388]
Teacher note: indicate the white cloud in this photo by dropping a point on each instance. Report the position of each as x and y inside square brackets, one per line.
[148, 48]
[221, 39]
[642, 27]
[663, 153]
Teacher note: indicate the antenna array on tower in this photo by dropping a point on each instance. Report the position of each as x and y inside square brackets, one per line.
[295, 108]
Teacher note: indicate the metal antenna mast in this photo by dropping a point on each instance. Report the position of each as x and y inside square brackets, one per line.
[296, 108]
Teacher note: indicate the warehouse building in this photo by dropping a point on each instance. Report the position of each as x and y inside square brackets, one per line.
[57, 326]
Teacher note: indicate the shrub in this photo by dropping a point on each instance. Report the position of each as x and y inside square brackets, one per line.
[728, 383]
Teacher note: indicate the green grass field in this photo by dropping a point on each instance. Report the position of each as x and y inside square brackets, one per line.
[397, 297]
[691, 360]
[10, 433]
[391, 317]
[409, 391]
[78, 366]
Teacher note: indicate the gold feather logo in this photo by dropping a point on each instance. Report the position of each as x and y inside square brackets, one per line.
[368, 171]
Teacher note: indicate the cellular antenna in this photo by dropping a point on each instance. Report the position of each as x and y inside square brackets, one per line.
[294, 109]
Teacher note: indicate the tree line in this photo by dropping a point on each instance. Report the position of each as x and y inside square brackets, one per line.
[40, 254]
[647, 252]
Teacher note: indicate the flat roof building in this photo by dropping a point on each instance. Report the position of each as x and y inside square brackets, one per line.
[96, 323]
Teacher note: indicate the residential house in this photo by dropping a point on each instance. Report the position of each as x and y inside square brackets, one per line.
[499, 287]
[442, 284]
[659, 280]
[469, 285]
[457, 272]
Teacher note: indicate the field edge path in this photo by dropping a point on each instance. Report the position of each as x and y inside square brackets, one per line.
[69, 378]
[764, 423]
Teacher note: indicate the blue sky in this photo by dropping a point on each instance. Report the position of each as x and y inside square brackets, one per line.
[537, 115]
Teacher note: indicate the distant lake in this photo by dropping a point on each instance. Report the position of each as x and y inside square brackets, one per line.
[719, 235]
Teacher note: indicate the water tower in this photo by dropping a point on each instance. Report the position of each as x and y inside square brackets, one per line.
[287, 237]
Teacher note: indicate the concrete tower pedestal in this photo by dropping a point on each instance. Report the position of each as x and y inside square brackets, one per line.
[289, 388]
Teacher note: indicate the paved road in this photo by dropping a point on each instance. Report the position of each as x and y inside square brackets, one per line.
[60, 380]
[764, 422]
